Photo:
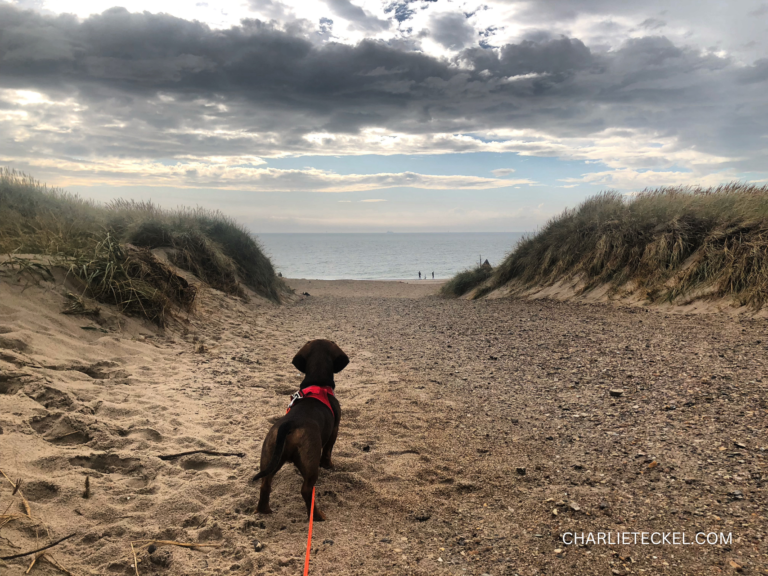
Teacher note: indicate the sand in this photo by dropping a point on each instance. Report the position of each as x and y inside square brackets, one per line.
[442, 403]
[367, 288]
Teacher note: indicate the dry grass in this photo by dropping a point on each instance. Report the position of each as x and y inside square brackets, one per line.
[671, 242]
[134, 280]
[465, 281]
[207, 243]
[107, 247]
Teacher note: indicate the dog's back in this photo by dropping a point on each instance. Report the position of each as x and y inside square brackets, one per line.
[307, 433]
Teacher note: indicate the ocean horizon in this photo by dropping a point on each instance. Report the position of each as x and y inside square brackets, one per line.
[383, 255]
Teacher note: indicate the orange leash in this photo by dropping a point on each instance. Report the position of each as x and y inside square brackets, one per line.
[309, 538]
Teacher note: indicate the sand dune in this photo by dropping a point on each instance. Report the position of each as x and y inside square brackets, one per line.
[441, 403]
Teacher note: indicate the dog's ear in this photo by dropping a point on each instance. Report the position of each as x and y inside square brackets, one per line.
[300, 360]
[340, 360]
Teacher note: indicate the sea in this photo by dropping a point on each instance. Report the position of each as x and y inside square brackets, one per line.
[384, 256]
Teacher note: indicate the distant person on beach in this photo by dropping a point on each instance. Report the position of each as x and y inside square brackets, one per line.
[433, 275]
[419, 274]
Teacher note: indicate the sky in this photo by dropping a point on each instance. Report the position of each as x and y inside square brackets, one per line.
[375, 115]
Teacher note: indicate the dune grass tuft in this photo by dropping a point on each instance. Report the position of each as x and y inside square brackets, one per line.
[671, 242]
[108, 247]
[132, 279]
[466, 281]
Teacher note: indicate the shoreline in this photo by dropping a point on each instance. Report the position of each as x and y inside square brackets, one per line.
[365, 288]
[398, 280]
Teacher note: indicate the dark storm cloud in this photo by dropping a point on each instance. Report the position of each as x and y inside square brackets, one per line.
[758, 72]
[452, 30]
[560, 57]
[157, 86]
[652, 23]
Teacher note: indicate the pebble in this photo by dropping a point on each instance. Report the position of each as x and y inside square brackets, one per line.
[616, 392]
[521, 470]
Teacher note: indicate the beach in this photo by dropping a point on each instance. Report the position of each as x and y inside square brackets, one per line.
[474, 434]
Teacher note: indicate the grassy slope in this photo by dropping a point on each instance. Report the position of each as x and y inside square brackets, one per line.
[670, 242]
[465, 281]
[92, 238]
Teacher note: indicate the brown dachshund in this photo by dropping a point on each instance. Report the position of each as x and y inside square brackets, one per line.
[306, 434]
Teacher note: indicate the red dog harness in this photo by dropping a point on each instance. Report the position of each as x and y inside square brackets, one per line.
[317, 392]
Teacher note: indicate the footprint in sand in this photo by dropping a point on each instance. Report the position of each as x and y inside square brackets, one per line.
[402, 463]
[106, 463]
[61, 429]
[114, 464]
[12, 381]
[200, 464]
[9, 385]
[216, 467]
[40, 490]
[143, 434]
[51, 398]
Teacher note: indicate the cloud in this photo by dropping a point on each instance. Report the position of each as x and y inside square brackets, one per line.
[239, 174]
[374, 200]
[758, 72]
[652, 23]
[273, 9]
[357, 16]
[134, 87]
[452, 30]
[501, 172]
[639, 180]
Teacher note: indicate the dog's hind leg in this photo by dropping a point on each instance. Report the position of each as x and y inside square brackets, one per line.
[308, 463]
[325, 459]
[266, 489]
[306, 493]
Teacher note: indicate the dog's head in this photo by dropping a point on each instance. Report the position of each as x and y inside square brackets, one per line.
[320, 359]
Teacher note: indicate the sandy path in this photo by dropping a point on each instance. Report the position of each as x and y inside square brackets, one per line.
[442, 401]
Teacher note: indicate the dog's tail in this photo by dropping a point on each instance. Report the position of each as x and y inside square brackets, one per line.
[274, 464]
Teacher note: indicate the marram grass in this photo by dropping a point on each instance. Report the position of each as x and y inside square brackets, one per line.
[107, 247]
[465, 281]
[672, 243]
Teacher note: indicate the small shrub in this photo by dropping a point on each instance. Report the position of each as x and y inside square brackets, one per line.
[465, 281]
